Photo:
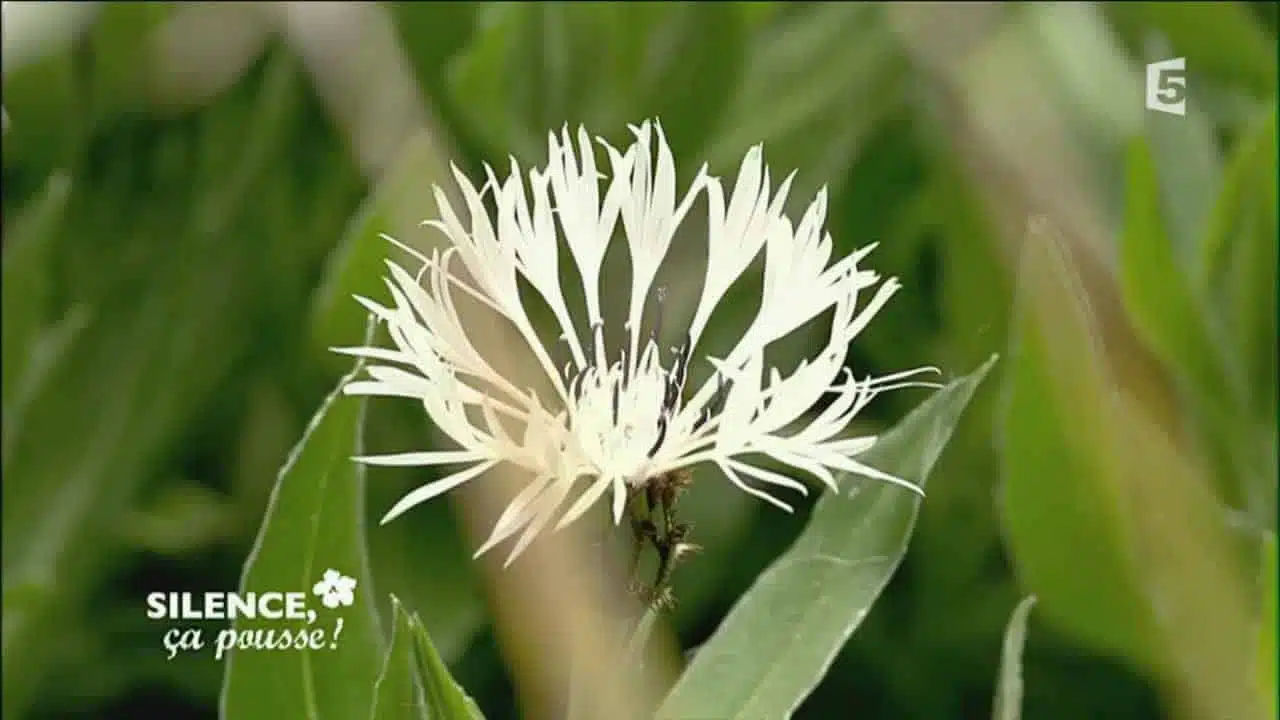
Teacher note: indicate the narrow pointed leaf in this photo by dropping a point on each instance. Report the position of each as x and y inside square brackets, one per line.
[446, 700]
[782, 636]
[1008, 702]
[397, 695]
[314, 523]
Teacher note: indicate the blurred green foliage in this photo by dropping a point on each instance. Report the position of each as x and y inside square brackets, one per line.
[182, 229]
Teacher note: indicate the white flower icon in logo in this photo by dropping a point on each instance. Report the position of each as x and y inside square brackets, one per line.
[335, 589]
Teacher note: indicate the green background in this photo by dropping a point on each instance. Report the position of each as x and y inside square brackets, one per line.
[191, 193]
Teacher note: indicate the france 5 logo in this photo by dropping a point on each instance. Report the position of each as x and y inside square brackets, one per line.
[1167, 86]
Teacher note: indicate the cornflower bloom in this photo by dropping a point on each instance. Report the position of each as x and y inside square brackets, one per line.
[616, 423]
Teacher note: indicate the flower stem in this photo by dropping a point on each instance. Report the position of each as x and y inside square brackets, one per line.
[660, 495]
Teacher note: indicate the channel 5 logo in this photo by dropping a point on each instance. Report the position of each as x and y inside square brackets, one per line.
[1167, 86]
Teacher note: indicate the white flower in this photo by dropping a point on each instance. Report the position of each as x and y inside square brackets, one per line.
[620, 420]
[335, 589]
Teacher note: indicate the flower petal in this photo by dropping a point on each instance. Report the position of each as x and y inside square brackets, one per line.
[431, 457]
[439, 487]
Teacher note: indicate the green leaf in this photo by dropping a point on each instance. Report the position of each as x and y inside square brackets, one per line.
[778, 641]
[446, 700]
[145, 362]
[49, 351]
[1111, 521]
[43, 92]
[531, 69]
[1057, 502]
[1157, 292]
[397, 695]
[314, 522]
[477, 79]
[123, 45]
[1267, 633]
[1172, 317]
[1008, 702]
[26, 281]
[815, 85]
[402, 200]
[1238, 259]
[424, 563]
[711, 37]
[354, 268]
[431, 33]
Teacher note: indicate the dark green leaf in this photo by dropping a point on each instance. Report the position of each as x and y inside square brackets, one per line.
[123, 46]
[691, 73]
[481, 78]
[815, 84]
[136, 371]
[184, 517]
[531, 69]
[314, 523]
[27, 282]
[778, 641]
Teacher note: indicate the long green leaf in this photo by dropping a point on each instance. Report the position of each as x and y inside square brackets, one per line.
[27, 285]
[314, 523]
[1111, 522]
[446, 700]
[1174, 321]
[1157, 291]
[778, 641]
[397, 695]
[1008, 702]
[424, 563]
[1057, 504]
[1239, 259]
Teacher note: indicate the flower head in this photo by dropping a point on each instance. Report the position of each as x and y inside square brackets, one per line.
[620, 418]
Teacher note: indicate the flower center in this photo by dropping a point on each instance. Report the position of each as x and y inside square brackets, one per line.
[620, 415]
